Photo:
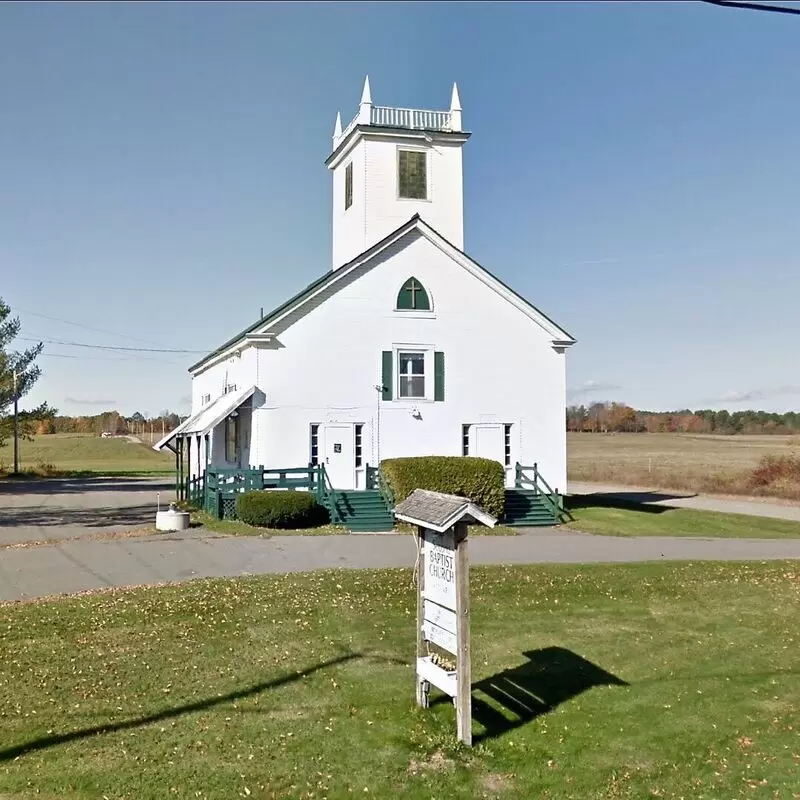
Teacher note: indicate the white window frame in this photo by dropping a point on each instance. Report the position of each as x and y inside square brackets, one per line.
[415, 149]
[427, 351]
[349, 166]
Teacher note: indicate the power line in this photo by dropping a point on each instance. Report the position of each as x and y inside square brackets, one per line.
[122, 358]
[752, 6]
[109, 346]
[87, 327]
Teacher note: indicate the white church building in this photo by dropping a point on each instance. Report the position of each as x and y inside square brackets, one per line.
[405, 346]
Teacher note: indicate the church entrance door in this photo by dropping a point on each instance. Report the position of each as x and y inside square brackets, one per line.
[490, 442]
[340, 456]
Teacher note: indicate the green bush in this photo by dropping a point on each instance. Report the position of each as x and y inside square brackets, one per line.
[480, 480]
[277, 509]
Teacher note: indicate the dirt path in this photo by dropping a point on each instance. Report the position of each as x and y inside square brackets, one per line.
[753, 506]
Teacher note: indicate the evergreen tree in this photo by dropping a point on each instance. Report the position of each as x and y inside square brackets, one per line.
[27, 373]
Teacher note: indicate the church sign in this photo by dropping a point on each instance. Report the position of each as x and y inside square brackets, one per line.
[443, 646]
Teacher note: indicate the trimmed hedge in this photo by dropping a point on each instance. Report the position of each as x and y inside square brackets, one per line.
[277, 509]
[480, 480]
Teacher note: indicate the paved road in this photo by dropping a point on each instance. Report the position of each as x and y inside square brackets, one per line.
[80, 565]
[752, 506]
[46, 510]
[69, 516]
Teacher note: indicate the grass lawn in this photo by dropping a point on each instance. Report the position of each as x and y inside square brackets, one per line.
[236, 528]
[611, 517]
[77, 453]
[638, 681]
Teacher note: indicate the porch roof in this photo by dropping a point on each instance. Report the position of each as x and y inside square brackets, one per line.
[207, 418]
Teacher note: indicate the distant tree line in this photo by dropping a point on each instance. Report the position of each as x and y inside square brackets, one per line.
[111, 422]
[621, 418]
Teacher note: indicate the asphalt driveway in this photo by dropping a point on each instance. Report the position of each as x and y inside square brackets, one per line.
[65, 508]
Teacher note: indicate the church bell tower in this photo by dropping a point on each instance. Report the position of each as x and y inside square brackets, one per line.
[391, 163]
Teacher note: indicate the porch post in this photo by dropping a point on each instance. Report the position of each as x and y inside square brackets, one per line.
[188, 477]
[177, 467]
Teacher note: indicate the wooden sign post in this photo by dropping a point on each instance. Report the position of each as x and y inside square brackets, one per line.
[443, 646]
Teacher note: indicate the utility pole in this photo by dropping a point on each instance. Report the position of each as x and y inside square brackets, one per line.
[16, 425]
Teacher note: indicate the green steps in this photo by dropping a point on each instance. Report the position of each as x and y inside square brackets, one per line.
[361, 511]
[526, 507]
[366, 511]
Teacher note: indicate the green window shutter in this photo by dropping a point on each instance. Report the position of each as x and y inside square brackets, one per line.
[438, 375]
[388, 372]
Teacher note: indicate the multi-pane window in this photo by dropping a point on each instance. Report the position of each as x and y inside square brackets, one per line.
[507, 444]
[412, 178]
[465, 440]
[348, 186]
[359, 440]
[205, 399]
[314, 445]
[228, 388]
[412, 374]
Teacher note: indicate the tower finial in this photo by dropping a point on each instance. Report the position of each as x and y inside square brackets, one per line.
[455, 110]
[365, 106]
[366, 95]
[337, 128]
[455, 100]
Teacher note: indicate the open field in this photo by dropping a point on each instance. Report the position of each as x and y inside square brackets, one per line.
[597, 681]
[694, 462]
[70, 453]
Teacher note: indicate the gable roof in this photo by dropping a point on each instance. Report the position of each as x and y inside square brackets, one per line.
[559, 336]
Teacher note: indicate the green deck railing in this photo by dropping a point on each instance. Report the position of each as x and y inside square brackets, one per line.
[531, 478]
[223, 484]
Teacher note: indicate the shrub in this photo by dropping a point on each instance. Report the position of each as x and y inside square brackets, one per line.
[276, 509]
[480, 480]
[773, 469]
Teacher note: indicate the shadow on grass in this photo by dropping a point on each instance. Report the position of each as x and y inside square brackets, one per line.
[514, 697]
[54, 740]
[627, 501]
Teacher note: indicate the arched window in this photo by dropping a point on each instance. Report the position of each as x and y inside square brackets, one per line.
[413, 297]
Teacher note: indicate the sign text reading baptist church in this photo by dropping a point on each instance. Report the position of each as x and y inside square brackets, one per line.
[440, 568]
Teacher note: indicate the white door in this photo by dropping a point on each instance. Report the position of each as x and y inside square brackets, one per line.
[340, 455]
[490, 442]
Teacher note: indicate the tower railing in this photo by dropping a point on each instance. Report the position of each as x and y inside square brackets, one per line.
[414, 118]
[418, 119]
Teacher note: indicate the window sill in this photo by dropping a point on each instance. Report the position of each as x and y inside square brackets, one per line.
[410, 402]
[414, 314]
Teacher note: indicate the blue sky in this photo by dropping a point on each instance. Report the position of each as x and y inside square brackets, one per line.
[633, 170]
